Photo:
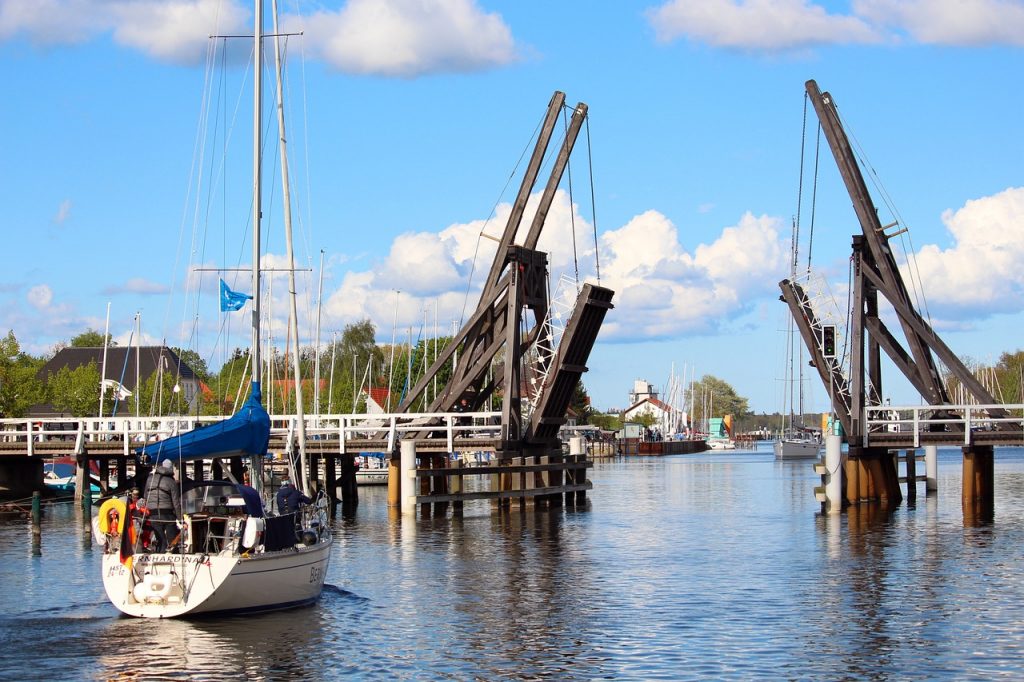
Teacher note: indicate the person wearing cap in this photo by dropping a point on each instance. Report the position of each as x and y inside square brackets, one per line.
[163, 499]
[289, 498]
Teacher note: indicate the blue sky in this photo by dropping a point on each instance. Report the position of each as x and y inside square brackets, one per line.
[407, 118]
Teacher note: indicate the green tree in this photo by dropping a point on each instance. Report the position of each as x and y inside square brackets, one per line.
[76, 390]
[19, 387]
[608, 422]
[713, 397]
[158, 397]
[645, 419]
[1010, 376]
[91, 338]
[195, 361]
[580, 404]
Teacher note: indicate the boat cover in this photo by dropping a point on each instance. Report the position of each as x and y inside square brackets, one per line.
[245, 434]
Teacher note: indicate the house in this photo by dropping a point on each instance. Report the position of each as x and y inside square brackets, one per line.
[644, 400]
[125, 367]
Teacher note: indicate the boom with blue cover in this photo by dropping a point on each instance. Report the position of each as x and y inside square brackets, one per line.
[245, 434]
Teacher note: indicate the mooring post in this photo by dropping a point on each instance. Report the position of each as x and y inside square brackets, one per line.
[834, 468]
[578, 453]
[87, 495]
[394, 480]
[37, 528]
[407, 491]
[911, 458]
[931, 468]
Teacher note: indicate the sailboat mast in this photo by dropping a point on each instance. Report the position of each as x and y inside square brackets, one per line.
[293, 317]
[257, 200]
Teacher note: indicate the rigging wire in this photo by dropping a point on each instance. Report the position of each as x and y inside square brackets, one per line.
[593, 202]
[572, 212]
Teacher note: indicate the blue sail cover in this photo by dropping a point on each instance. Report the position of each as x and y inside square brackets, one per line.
[246, 433]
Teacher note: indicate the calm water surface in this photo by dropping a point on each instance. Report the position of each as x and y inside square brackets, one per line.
[713, 566]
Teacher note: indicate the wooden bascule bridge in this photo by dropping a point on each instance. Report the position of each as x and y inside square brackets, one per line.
[509, 352]
[876, 433]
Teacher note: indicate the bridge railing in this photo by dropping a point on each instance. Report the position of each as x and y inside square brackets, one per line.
[133, 432]
[916, 419]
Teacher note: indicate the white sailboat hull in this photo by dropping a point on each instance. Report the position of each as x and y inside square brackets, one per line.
[796, 449]
[175, 585]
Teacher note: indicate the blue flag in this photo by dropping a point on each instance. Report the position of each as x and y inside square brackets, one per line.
[231, 300]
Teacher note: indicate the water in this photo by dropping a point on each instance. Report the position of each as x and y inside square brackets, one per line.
[713, 566]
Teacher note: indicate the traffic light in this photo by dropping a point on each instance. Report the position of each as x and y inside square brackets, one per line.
[828, 340]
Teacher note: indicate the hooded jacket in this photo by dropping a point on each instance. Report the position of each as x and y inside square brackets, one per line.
[162, 494]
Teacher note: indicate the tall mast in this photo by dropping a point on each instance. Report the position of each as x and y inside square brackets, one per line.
[257, 200]
[293, 317]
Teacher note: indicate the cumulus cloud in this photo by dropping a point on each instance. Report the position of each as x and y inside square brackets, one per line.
[983, 271]
[662, 289]
[758, 24]
[949, 22]
[408, 37]
[403, 38]
[170, 30]
[771, 25]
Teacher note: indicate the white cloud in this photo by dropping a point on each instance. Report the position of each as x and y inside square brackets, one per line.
[175, 30]
[405, 38]
[771, 25]
[171, 30]
[40, 296]
[408, 37]
[758, 24]
[662, 290]
[983, 271]
[949, 22]
[137, 285]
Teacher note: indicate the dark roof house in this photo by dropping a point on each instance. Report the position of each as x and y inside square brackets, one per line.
[121, 363]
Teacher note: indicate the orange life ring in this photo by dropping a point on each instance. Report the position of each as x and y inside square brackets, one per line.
[112, 515]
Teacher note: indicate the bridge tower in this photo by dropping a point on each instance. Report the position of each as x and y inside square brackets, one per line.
[870, 472]
[533, 378]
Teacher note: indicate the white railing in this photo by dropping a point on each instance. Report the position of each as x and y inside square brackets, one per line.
[917, 418]
[134, 432]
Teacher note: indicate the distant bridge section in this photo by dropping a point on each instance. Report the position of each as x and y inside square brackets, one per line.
[336, 433]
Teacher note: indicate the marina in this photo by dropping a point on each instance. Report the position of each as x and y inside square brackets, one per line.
[714, 565]
[431, 450]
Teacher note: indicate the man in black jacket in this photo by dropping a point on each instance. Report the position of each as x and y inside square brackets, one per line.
[163, 499]
[289, 498]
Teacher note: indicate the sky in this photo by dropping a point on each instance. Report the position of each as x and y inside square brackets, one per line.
[127, 166]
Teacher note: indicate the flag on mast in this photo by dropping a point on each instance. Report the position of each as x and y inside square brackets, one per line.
[231, 300]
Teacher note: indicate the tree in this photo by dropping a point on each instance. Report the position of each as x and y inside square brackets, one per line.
[712, 397]
[91, 338]
[607, 422]
[580, 404]
[76, 390]
[158, 397]
[19, 386]
[195, 361]
[1010, 376]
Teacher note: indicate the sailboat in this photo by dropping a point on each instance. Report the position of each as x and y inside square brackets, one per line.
[795, 441]
[230, 555]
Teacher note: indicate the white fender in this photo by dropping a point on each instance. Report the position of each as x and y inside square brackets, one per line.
[251, 534]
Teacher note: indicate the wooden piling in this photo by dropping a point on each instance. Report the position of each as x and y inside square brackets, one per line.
[394, 481]
[911, 467]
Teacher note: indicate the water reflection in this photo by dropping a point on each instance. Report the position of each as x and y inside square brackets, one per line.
[683, 567]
